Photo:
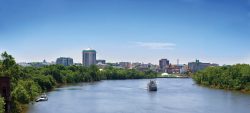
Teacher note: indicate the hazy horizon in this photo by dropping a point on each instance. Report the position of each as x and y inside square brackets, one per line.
[214, 31]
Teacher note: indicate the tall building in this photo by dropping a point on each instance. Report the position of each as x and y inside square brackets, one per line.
[197, 65]
[66, 61]
[88, 57]
[164, 63]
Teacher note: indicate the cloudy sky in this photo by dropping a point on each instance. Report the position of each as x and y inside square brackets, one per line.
[216, 31]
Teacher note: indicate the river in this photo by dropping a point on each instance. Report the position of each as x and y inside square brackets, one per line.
[131, 96]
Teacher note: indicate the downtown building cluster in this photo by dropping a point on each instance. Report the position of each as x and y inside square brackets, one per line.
[89, 58]
[166, 67]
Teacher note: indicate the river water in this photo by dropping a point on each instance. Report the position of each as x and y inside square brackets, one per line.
[131, 96]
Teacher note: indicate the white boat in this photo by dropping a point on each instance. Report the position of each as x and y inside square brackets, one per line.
[152, 86]
[43, 97]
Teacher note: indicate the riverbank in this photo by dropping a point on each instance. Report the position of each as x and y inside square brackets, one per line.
[235, 77]
[25, 109]
[231, 90]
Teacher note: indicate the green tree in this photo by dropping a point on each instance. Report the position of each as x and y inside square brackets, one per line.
[32, 88]
[236, 77]
[1, 105]
[55, 72]
[20, 94]
[9, 67]
[93, 72]
[45, 82]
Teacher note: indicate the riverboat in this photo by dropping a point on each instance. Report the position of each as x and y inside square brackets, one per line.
[152, 86]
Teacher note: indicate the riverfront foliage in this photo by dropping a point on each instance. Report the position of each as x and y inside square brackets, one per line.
[236, 77]
[1, 105]
[29, 82]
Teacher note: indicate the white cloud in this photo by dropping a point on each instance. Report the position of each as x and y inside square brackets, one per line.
[156, 45]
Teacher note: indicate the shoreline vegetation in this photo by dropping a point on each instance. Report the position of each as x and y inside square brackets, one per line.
[235, 77]
[1, 105]
[27, 83]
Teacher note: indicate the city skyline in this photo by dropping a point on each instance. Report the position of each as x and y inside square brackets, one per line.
[215, 31]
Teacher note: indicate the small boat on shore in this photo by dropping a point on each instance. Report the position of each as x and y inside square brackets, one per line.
[152, 86]
[43, 97]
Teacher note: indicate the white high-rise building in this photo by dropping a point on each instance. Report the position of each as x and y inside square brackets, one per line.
[88, 57]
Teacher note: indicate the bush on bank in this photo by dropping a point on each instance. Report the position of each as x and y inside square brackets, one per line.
[236, 77]
[1, 105]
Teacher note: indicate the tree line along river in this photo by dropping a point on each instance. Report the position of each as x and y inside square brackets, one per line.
[131, 96]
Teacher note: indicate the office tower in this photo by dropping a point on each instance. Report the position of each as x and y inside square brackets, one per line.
[164, 63]
[88, 57]
[66, 61]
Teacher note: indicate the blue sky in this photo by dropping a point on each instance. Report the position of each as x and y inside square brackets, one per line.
[127, 30]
